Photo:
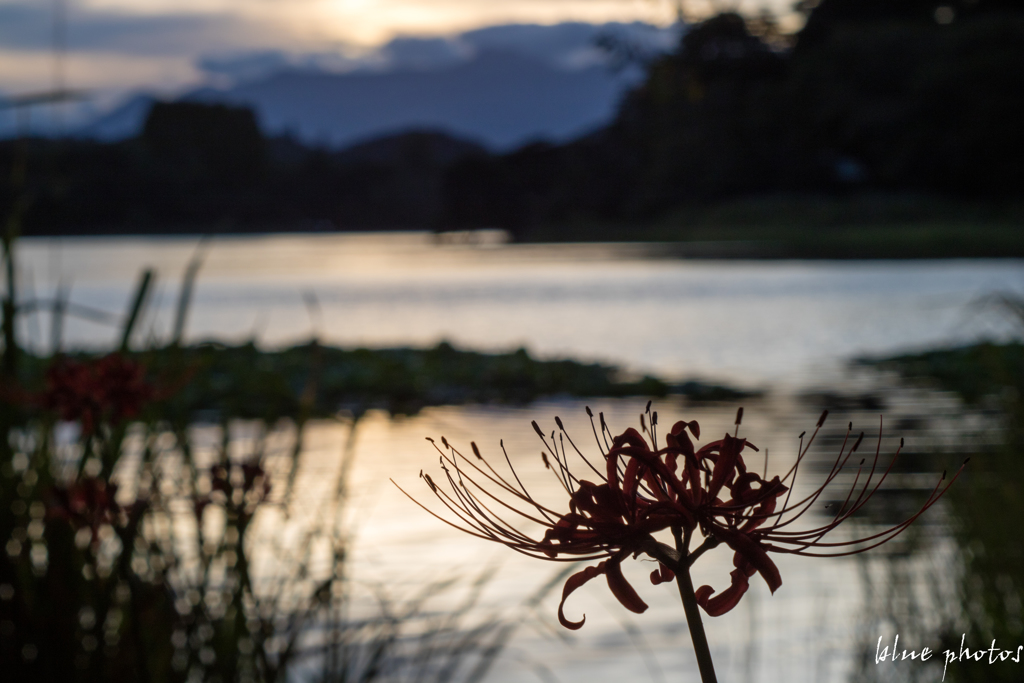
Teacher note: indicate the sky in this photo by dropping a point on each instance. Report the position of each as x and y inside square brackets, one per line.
[160, 45]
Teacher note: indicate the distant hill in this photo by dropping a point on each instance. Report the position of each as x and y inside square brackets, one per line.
[503, 86]
[501, 98]
[123, 122]
[413, 147]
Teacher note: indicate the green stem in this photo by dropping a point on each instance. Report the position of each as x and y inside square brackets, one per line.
[700, 640]
[692, 611]
[141, 289]
[10, 358]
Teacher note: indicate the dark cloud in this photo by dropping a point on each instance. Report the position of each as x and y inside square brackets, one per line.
[245, 65]
[25, 26]
[570, 45]
[409, 52]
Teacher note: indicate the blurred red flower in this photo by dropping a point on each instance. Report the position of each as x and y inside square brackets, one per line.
[86, 503]
[113, 388]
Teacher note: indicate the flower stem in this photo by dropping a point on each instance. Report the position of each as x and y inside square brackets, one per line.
[700, 641]
[692, 611]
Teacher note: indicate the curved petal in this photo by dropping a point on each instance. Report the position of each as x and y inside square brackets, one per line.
[759, 515]
[630, 437]
[725, 466]
[678, 438]
[662, 574]
[630, 479]
[727, 599]
[574, 582]
[752, 552]
[621, 589]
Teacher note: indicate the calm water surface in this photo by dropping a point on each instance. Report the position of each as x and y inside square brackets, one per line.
[813, 629]
[748, 322]
[789, 327]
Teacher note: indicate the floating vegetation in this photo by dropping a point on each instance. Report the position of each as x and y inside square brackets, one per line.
[311, 380]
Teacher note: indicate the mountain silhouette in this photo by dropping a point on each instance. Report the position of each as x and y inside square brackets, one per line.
[500, 98]
[502, 86]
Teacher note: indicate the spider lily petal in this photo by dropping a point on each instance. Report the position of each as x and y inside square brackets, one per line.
[754, 556]
[662, 574]
[723, 602]
[623, 592]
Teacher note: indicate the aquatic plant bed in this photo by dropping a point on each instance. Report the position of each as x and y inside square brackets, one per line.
[213, 379]
[974, 372]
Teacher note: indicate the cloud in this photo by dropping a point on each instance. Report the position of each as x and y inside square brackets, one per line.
[568, 46]
[28, 27]
[249, 65]
[410, 52]
[246, 65]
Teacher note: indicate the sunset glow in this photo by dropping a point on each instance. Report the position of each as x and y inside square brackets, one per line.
[116, 45]
[374, 21]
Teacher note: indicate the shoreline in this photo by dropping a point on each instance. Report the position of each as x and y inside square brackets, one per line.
[1002, 241]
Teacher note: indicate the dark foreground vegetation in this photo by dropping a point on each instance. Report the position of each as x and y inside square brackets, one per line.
[881, 128]
[154, 543]
[986, 506]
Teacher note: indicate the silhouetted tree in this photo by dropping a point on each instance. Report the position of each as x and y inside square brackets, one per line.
[213, 142]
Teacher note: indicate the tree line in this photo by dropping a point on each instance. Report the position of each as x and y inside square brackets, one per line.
[879, 96]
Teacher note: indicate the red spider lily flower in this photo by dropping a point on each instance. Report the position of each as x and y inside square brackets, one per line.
[242, 487]
[87, 503]
[642, 489]
[753, 522]
[112, 388]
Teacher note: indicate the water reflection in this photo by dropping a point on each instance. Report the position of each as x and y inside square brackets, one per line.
[815, 628]
[751, 323]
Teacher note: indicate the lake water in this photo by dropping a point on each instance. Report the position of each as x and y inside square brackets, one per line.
[748, 322]
[787, 327]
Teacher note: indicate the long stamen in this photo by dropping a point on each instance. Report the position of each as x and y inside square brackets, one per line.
[875, 489]
[808, 502]
[578, 452]
[593, 427]
[885, 536]
[525, 496]
[563, 469]
[654, 427]
[605, 432]
[490, 520]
